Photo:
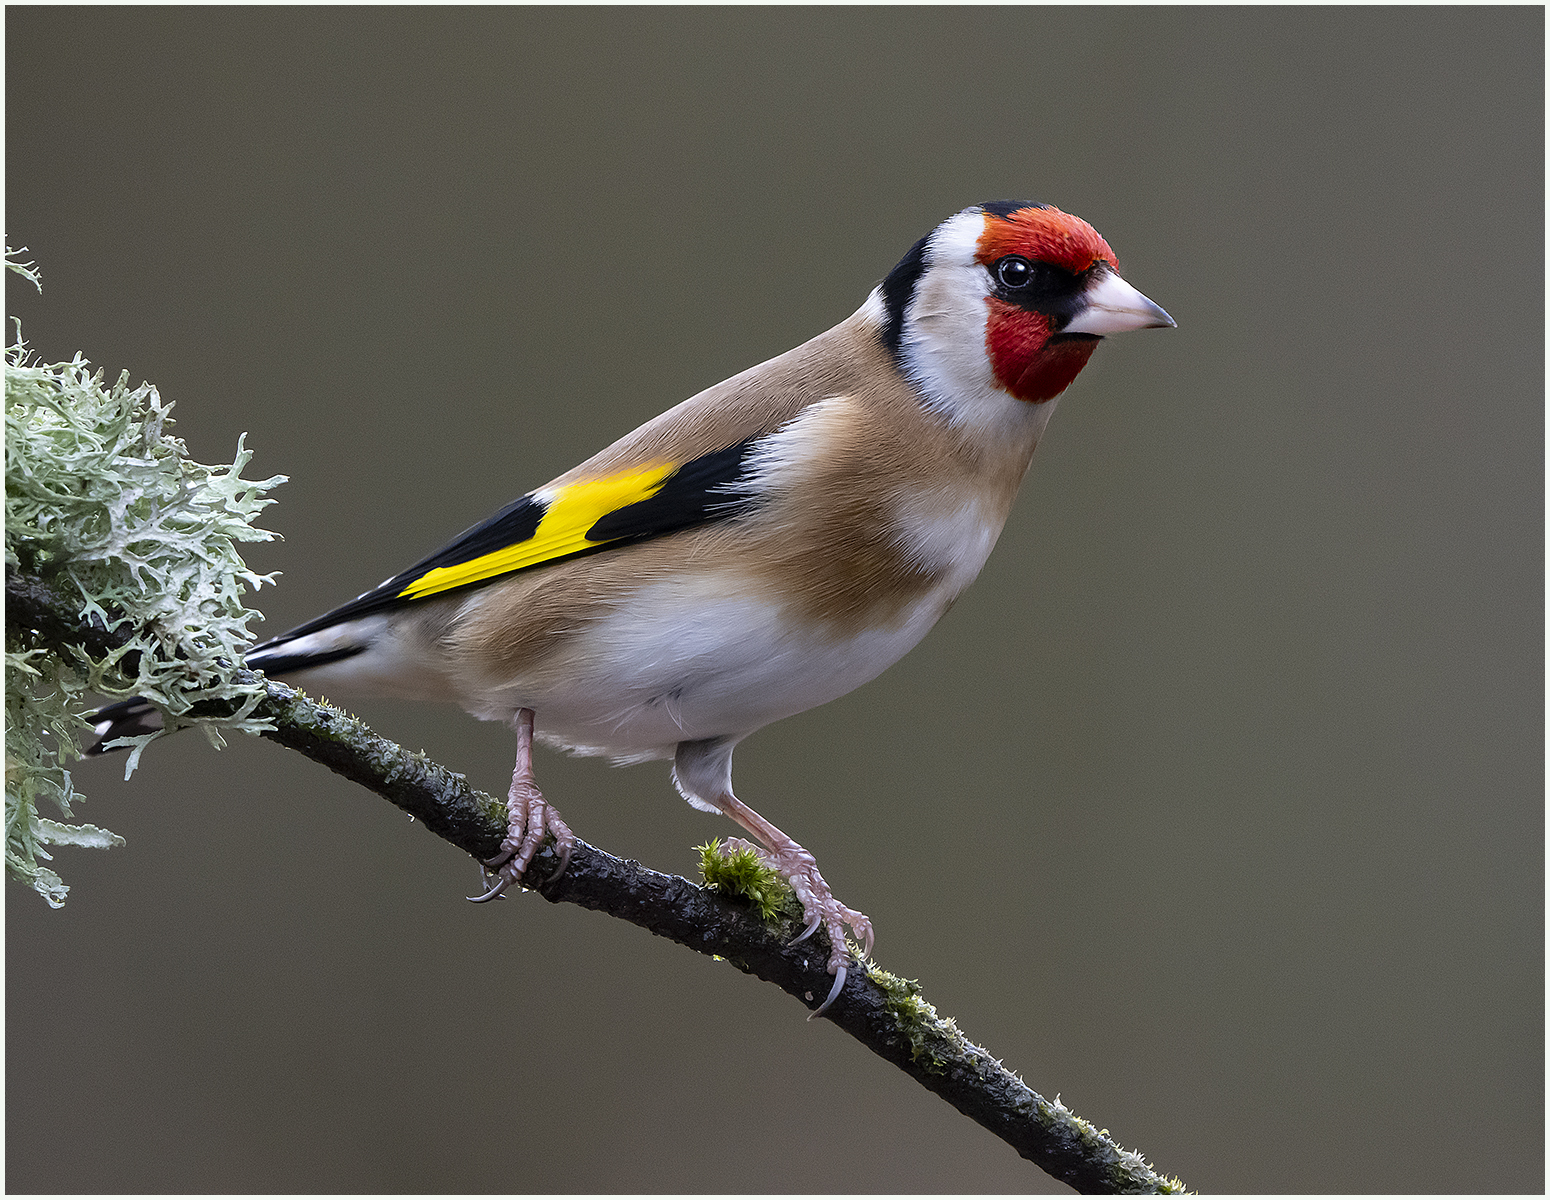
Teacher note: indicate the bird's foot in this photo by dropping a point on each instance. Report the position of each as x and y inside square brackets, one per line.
[531, 820]
[819, 907]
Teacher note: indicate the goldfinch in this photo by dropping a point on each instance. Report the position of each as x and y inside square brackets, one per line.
[762, 548]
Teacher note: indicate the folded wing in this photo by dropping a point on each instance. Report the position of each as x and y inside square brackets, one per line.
[561, 522]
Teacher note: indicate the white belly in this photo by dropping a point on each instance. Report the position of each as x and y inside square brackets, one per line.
[676, 666]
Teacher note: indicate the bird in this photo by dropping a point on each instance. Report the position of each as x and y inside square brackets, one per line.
[761, 548]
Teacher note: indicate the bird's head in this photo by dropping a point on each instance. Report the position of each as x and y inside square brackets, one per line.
[1005, 297]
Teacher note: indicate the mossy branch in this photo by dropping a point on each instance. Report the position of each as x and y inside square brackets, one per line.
[887, 1014]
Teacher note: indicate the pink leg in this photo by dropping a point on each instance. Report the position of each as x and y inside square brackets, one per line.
[800, 869]
[531, 819]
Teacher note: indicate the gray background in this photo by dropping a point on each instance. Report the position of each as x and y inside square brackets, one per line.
[1214, 807]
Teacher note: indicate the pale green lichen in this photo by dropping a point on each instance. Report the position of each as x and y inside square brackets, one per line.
[742, 871]
[101, 501]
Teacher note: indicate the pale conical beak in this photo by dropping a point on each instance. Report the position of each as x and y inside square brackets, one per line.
[1113, 306]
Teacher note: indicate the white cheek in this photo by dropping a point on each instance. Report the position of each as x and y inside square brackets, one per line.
[943, 342]
[944, 337]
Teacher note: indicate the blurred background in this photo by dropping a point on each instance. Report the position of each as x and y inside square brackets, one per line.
[1238, 735]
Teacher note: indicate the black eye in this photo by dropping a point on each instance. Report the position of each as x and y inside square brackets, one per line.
[1014, 271]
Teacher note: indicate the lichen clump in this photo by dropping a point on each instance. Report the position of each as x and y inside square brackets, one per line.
[101, 501]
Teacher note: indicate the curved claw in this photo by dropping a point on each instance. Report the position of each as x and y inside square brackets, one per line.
[564, 848]
[502, 857]
[808, 932]
[839, 982]
[500, 886]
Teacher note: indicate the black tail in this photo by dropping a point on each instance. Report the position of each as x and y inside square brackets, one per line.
[127, 718]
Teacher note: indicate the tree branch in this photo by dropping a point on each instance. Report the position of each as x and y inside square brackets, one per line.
[886, 1014]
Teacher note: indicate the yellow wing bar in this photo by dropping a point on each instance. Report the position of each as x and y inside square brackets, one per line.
[563, 530]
